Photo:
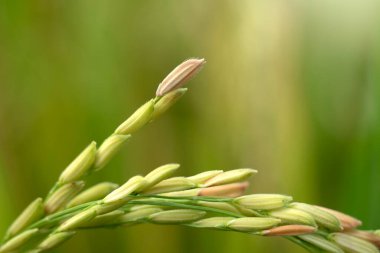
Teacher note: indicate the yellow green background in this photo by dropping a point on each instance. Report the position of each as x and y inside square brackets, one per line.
[291, 88]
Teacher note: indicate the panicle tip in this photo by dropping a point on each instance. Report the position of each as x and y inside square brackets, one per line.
[180, 75]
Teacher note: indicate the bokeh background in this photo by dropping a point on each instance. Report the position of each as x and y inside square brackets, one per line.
[291, 88]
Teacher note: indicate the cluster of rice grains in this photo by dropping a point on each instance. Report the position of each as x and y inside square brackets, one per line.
[212, 199]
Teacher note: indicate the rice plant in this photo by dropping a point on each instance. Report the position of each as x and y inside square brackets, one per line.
[213, 199]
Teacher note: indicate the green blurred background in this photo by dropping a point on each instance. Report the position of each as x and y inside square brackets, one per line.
[291, 88]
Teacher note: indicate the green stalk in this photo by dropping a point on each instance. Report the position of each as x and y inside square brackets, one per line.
[305, 245]
[186, 206]
[62, 215]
